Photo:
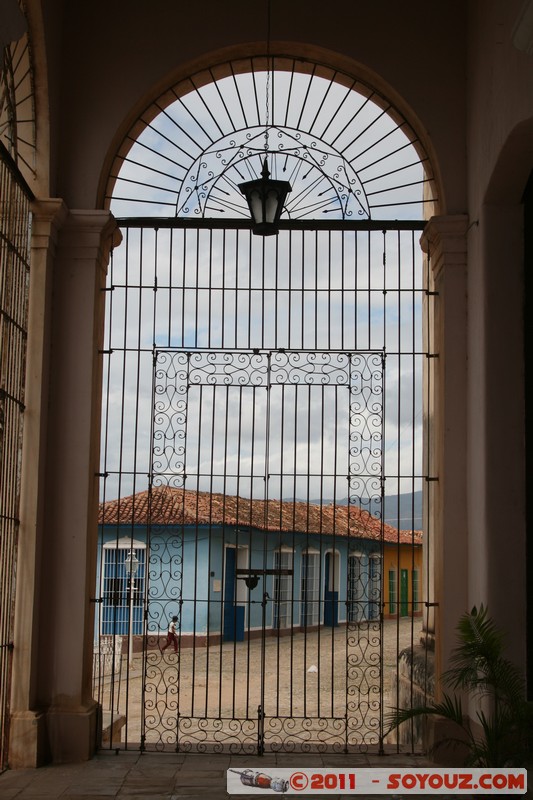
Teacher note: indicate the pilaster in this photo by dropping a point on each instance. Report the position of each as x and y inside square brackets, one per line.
[445, 380]
[28, 746]
[72, 483]
[67, 325]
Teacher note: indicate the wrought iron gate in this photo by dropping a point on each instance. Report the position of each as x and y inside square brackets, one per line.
[255, 510]
[278, 646]
[261, 507]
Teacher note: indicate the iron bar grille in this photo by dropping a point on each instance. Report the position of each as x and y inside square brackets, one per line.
[14, 279]
[278, 497]
[17, 105]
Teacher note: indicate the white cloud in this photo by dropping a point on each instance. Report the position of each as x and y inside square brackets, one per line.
[224, 289]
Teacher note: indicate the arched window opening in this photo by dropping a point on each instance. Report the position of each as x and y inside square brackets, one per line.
[347, 152]
[264, 395]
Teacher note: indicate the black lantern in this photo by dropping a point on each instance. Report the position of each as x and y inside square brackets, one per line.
[265, 199]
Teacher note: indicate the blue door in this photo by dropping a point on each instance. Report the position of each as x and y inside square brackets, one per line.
[233, 614]
[331, 593]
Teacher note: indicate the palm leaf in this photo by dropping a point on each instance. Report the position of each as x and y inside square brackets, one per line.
[478, 666]
[480, 646]
[449, 707]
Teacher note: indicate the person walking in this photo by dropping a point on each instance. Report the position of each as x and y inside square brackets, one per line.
[172, 636]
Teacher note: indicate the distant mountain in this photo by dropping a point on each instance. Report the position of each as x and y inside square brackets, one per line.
[403, 511]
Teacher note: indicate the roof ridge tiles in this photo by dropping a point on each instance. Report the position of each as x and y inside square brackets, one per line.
[165, 505]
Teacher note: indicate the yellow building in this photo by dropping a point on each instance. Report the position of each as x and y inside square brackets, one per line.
[402, 576]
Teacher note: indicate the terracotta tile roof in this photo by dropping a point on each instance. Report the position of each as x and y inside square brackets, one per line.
[170, 506]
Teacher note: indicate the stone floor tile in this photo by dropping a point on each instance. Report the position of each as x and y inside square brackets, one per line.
[33, 791]
[146, 794]
[94, 786]
[17, 777]
[200, 780]
[130, 789]
[207, 762]
[136, 776]
[211, 796]
[87, 794]
[242, 762]
[69, 796]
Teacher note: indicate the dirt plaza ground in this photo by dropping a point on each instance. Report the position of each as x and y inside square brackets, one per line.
[307, 685]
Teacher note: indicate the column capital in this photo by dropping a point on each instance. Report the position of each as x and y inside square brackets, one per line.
[89, 234]
[444, 240]
[48, 217]
[77, 232]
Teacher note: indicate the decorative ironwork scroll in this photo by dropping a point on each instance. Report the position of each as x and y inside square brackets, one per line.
[278, 642]
[347, 152]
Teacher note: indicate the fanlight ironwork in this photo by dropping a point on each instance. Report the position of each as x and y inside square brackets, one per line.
[347, 153]
[17, 106]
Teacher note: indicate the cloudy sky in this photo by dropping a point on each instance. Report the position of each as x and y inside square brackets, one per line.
[294, 430]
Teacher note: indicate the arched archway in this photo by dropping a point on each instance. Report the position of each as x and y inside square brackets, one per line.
[264, 396]
[312, 65]
[500, 242]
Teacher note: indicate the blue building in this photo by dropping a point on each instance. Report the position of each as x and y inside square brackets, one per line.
[231, 568]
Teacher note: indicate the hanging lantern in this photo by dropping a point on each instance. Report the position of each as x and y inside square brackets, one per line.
[265, 198]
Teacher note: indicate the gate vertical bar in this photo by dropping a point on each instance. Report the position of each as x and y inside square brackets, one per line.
[266, 467]
[376, 587]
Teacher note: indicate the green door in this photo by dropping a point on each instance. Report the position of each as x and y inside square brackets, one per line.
[404, 593]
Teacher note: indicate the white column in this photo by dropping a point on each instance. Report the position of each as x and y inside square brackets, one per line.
[60, 662]
[446, 545]
[72, 485]
[27, 735]
[497, 487]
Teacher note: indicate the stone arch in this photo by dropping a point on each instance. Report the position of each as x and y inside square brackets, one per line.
[513, 167]
[306, 60]
[254, 63]
[498, 335]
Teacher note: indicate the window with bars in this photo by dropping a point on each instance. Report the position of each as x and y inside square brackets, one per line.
[122, 594]
[310, 590]
[339, 281]
[15, 222]
[282, 590]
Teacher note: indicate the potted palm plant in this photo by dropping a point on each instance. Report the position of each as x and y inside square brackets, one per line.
[479, 669]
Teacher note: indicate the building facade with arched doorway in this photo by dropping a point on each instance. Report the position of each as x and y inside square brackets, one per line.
[477, 135]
